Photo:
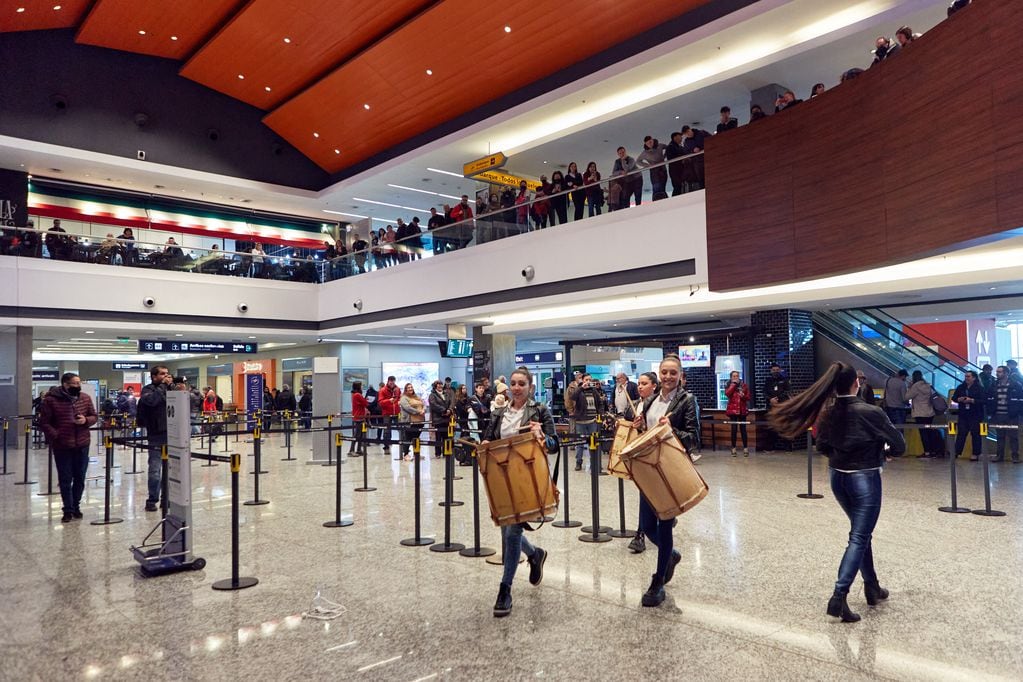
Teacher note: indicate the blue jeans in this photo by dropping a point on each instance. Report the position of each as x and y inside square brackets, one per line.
[514, 543]
[71, 464]
[897, 415]
[859, 495]
[658, 532]
[584, 430]
[154, 475]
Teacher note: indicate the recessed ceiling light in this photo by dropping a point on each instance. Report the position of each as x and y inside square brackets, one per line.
[316, 134]
[174, 37]
[365, 106]
[287, 40]
[179, 335]
[992, 288]
[507, 29]
[56, 7]
[90, 332]
[337, 151]
[677, 117]
[20, 10]
[267, 88]
[429, 72]
[141, 32]
[241, 77]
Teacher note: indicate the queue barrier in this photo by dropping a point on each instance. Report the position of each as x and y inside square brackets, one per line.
[448, 503]
[235, 582]
[595, 532]
[337, 521]
[417, 540]
[476, 550]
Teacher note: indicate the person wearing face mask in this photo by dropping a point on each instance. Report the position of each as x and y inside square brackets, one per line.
[65, 415]
[521, 413]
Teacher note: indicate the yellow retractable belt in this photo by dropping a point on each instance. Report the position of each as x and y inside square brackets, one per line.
[952, 428]
[236, 462]
[983, 428]
[337, 439]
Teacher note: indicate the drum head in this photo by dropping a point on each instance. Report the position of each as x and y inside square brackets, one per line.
[648, 439]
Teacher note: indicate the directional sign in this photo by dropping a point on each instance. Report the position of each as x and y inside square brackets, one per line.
[486, 163]
[130, 366]
[200, 347]
[499, 178]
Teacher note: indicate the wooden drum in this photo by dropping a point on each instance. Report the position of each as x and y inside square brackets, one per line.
[625, 433]
[517, 478]
[663, 472]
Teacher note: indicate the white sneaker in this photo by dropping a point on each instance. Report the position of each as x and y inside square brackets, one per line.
[695, 457]
[745, 452]
[733, 452]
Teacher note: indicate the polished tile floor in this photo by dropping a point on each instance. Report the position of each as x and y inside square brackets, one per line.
[747, 601]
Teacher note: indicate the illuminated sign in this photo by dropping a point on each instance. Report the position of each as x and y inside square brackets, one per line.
[200, 347]
[130, 366]
[484, 164]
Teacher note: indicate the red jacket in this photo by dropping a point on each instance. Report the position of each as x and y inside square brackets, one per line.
[57, 418]
[360, 406]
[459, 213]
[738, 399]
[388, 398]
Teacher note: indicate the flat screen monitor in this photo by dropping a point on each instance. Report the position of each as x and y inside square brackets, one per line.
[694, 356]
[458, 348]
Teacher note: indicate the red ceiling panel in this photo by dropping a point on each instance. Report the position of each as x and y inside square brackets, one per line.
[172, 28]
[322, 34]
[36, 15]
[473, 59]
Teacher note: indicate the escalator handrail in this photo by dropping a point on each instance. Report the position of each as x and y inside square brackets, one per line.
[964, 363]
[828, 327]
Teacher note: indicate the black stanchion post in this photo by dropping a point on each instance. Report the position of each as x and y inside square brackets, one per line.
[418, 540]
[257, 440]
[5, 471]
[809, 494]
[621, 531]
[954, 508]
[106, 520]
[287, 437]
[235, 582]
[451, 439]
[987, 510]
[595, 532]
[365, 467]
[207, 424]
[338, 522]
[49, 474]
[449, 485]
[28, 437]
[330, 439]
[476, 550]
[134, 450]
[566, 522]
[449, 469]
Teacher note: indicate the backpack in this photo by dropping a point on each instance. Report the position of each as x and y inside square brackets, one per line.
[938, 403]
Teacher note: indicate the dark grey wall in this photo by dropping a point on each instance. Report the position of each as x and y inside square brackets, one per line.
[105, 88]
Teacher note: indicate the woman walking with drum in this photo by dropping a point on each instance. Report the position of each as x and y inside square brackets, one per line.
[522, 413]
[853, 434]
[673, 405]
[646, 386]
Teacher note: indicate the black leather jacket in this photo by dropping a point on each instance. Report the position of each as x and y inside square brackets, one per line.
[534, 412]
[681, 415]
[854, 433]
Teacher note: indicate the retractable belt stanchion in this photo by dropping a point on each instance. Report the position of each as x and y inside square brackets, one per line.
[28, 437]
[49, 474]
[954, 508]
[449, 485]
[418, 540]
[594, 532]
[330, 439]
[809, 494]
[338, 522]
[107, 519]
[621, 531]
[207, 423]
[257, 440]
[451, 437]
[476, 550]
[566, 522]
[235, 582]
[449, 471]
[365, 466]
[987, 510]
[287, 436]
[5, 471]
[134, 451]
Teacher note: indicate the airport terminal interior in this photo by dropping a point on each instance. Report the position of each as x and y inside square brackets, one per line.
[311, 313]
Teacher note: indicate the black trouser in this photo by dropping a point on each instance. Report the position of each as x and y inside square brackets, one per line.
[579, 203]
[676, 172]
[741, 428]
[559, 210]
[71, 464]
[359, 444]
[384, 430]
[930, 438]
[971, 427]
[409, 432]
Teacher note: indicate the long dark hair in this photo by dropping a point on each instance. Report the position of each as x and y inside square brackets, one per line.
[793, 418]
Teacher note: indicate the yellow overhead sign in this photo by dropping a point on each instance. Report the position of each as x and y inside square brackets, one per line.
[485, 164]
[499, 178]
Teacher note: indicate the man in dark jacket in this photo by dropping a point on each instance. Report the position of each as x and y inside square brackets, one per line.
[65, 415]
[590, 403]
[776, 390]
[286, 399]
[1005, 405]
[675, 170]
[693, 143]
[970, 398]
[152, 414]
[727, 122]
[440, 415]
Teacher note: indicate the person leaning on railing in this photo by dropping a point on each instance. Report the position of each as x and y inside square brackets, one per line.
[594, 191]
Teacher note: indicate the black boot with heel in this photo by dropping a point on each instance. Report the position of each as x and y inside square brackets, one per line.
[838, 608]
[874, 593]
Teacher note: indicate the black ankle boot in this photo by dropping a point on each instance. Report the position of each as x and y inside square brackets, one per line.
[874, 593]
[654, 594]
[503, 605]
[839, 609]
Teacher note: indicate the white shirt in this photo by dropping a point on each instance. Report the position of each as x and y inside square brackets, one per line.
[511, 422]
[658, 408]
[621, 398]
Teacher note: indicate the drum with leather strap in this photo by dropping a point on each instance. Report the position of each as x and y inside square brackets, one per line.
[625, 433]
[664, 473]
[517, 478]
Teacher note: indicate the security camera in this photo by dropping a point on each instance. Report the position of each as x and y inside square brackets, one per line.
[149, 301]
[358, 304]
[528, 273]
[243, 307]
[140, 155]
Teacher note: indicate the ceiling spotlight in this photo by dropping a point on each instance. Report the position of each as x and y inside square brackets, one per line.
[507, 29]
[429, 72]
[267, 88]
[337, 151]
[142, 33]
[20, 10]
[241, 77]
[316, 135]
[287, 40]
[174, 37]
[56, 7]
[366, 107]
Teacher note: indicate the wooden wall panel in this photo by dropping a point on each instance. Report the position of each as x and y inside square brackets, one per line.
[917, 156]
